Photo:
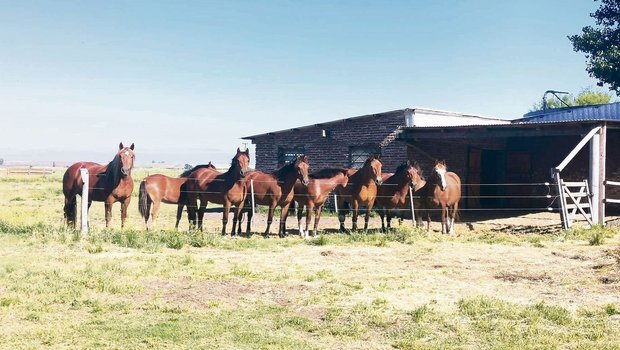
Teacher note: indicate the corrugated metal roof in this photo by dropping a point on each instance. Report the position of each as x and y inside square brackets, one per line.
[609, 111]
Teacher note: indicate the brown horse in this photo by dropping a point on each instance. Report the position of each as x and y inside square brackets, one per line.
[394, 192]
[227, 189]
[158, 188]
[276, 189]
[106, 183]
[361, 189]
[443, 188]
[314, 195]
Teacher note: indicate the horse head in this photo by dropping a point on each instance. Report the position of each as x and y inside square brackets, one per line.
[241, 161]
[413, 173]
[126, 156]
[439, 174]
[302, 166]
[375, 164]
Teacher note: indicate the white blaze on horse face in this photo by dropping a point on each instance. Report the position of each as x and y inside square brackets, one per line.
[126, 153]
[442, 176]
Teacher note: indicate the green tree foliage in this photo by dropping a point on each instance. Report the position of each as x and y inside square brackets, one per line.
[586, 97]
[601, 44]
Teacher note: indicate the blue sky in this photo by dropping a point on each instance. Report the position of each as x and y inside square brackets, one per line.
[185, 80]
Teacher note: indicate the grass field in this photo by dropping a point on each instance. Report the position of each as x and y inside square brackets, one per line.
[408, 290]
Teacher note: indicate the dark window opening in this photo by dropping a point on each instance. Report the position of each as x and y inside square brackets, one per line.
[359, 154]
[288, 155]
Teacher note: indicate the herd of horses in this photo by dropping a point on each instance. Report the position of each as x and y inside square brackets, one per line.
[240, 189]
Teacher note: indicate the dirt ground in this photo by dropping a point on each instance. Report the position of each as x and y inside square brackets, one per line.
[569, 273]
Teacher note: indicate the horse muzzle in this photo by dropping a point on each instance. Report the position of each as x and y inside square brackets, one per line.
[379, 181]
[305, 182]
[125, 172]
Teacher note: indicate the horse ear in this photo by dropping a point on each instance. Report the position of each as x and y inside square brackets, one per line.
[120, 146]
[131, 147]
[238, 150]
[305, 159]
[247, 151]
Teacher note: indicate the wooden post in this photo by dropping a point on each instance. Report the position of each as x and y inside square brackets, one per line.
[412, 207]
[602, 153]
[593, 179]
[563, 213]
[84, 214]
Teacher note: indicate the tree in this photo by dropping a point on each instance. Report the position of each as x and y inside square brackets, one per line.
[586, 97]
[601, 45]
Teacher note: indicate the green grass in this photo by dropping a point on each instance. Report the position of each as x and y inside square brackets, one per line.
[140, 289]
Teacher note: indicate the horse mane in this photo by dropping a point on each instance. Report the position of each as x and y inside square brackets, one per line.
[328, 173]
[280, 173]
[403, 167]
[201, 166]
[113, 171]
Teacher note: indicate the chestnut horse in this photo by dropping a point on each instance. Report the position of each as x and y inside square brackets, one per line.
[314, 195]
[361, 189]
[158, 188]
[394, 192]
[106, 183]
[276, 189]
[227, 189]
[443, 188]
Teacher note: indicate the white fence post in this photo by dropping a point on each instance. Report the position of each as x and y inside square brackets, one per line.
[412, 207]
[336, 203]
[84, 214]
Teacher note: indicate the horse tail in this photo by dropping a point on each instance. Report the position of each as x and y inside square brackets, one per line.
[183, 195]
[143, 200]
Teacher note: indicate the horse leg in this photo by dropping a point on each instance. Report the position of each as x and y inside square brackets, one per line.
[272, 207]
[309, 218]
[355, 213]
[444, 215]
[192, 202]
[428, 221]
[201, 212]
[382, 215]
[283, 217]
[300, 214]
[367, 217]
[225, 213]
[248, 231]
[389, 219]
[452, 216]
[341, 214]
[108, 213]
[317, 216]
[237, 217]
[154, 214]
[124, 206]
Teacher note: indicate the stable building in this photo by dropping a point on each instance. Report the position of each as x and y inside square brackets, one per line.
[503, 164]
[348, 142]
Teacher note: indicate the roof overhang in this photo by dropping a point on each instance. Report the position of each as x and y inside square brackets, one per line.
[503, 130]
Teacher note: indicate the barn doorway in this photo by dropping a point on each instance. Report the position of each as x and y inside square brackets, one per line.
[492, 173]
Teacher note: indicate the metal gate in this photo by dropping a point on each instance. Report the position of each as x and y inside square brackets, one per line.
[575, 198]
